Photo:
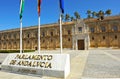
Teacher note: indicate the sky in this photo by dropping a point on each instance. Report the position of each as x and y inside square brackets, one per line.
[9, 11]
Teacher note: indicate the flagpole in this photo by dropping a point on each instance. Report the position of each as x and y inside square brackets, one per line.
[60, 34]
[39, 34]
[21, 35]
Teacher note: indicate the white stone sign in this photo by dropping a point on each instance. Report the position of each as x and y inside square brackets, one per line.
[56, 65]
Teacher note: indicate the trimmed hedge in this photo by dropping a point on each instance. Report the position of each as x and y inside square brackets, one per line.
[15, 51]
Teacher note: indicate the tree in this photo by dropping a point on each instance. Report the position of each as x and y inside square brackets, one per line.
[89, 13]
[108, 12]
[67, 17]
[77, 15]
[94, 14]
[72, 18]
[101, 13]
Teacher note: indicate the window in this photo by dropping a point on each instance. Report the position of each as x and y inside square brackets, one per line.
[115, 36]
[103, 37]
[15, 36]
[43, 34]
[68, 39]
[92, 30]
[28, 35]
[92, 38]
[103, 29]
[9, 43]
[69, 32]
[14, 42]
[9, 36]
[115, 28]
[4, 43]
[5, 36]
[58, 32]
[51, 33]
[80, 29]
[36, 34]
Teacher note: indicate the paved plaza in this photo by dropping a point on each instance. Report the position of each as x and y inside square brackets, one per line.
[87, 64]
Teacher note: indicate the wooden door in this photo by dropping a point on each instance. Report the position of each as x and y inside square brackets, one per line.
[81, 45]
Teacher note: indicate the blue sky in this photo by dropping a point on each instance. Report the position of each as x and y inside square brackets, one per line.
[9, 11]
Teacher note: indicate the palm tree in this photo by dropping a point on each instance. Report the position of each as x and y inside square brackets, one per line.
[77, 15]
[108, 12]
[101, 15]
[72, 18]
[89, 13]
[67, 17]
[94, 14]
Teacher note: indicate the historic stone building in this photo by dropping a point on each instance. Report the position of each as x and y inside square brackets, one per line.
[81, 34]
[104, 33]
[9, 39]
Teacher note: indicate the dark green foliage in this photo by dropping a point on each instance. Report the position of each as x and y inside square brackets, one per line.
[15, 51]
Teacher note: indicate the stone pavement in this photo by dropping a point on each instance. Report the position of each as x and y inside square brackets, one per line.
[91, 64]
[102, 64]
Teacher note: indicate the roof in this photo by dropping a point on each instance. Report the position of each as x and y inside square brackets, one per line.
[36, 26]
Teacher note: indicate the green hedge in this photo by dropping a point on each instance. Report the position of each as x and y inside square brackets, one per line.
[15, 51]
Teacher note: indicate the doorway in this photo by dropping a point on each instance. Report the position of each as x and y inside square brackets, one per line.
[81, 45]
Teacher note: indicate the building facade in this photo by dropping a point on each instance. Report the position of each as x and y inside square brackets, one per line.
[79, 35]
[105, 33]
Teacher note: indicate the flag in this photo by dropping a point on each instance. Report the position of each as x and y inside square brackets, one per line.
[21, 7]
[62, 5]
[39, 3]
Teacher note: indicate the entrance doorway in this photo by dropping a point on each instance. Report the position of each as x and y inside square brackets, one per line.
[81, 45]
[36, 48]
